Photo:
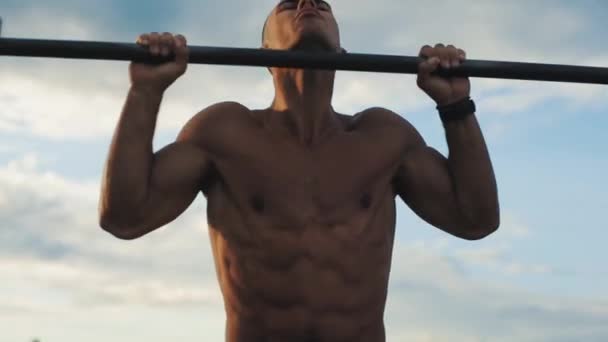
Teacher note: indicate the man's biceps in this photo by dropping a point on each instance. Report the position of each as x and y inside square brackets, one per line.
[181, 166]
[179, 154]
[422, 158]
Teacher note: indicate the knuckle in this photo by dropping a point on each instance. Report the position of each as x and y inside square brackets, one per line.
[142, 39]
[430, 51]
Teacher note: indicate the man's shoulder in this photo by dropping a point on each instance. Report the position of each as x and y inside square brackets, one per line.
[222, 112]
[387, 126]
[379, 117]
[218, 118]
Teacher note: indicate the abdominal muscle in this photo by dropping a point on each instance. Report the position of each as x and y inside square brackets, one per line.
[319, 281]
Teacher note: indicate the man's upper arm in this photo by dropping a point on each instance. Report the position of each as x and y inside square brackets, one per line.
[180, 170]
[424, 183]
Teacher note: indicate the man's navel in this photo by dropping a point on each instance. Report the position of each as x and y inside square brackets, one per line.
[366, 201]
[257, 203]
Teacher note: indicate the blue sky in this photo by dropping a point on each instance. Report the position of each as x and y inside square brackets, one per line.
[541, 277]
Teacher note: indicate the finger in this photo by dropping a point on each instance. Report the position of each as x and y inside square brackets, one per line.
[154, 43]
[443, 55]
[462, 55]
[427, 67]
[143, 39]
[182, 39]
[453, 56]
[426, 52]
[182, 53]
[166, 44]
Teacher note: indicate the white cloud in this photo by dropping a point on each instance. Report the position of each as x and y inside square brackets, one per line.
[44, 213]
[47, 216]
[486, 29]
[55, 259]
[500, 259]
[82, 100]
[516, 97]
[435, 297]
[46, 22]
[86, 285]
[496, 253]
[434, 292]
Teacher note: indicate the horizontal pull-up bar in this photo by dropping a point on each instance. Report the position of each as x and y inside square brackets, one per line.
[299, 59]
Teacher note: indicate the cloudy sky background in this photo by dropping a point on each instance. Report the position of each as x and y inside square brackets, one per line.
[541, 277]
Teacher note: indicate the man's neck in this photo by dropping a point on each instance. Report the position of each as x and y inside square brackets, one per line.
[303, 103]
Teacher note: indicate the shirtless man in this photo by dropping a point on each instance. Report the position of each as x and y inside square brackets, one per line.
[301, 199]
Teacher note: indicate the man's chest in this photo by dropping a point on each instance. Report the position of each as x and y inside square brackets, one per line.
[349, 173]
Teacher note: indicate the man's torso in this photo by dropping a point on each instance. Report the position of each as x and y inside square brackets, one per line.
[302, 236]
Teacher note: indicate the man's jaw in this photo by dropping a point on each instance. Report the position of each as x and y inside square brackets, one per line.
[313, 42]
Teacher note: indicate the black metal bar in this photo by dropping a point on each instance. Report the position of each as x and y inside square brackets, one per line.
[298, 59]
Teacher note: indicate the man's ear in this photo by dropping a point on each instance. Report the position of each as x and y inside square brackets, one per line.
[265, 47]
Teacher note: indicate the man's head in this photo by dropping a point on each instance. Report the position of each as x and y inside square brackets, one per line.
[301, 25]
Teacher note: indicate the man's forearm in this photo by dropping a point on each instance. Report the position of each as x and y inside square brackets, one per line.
[125, 179]
[472, 173]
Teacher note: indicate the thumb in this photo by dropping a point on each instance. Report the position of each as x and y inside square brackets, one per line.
[425, 68]
[182, 53]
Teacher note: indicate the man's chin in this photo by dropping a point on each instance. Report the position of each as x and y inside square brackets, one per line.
[313, 42]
